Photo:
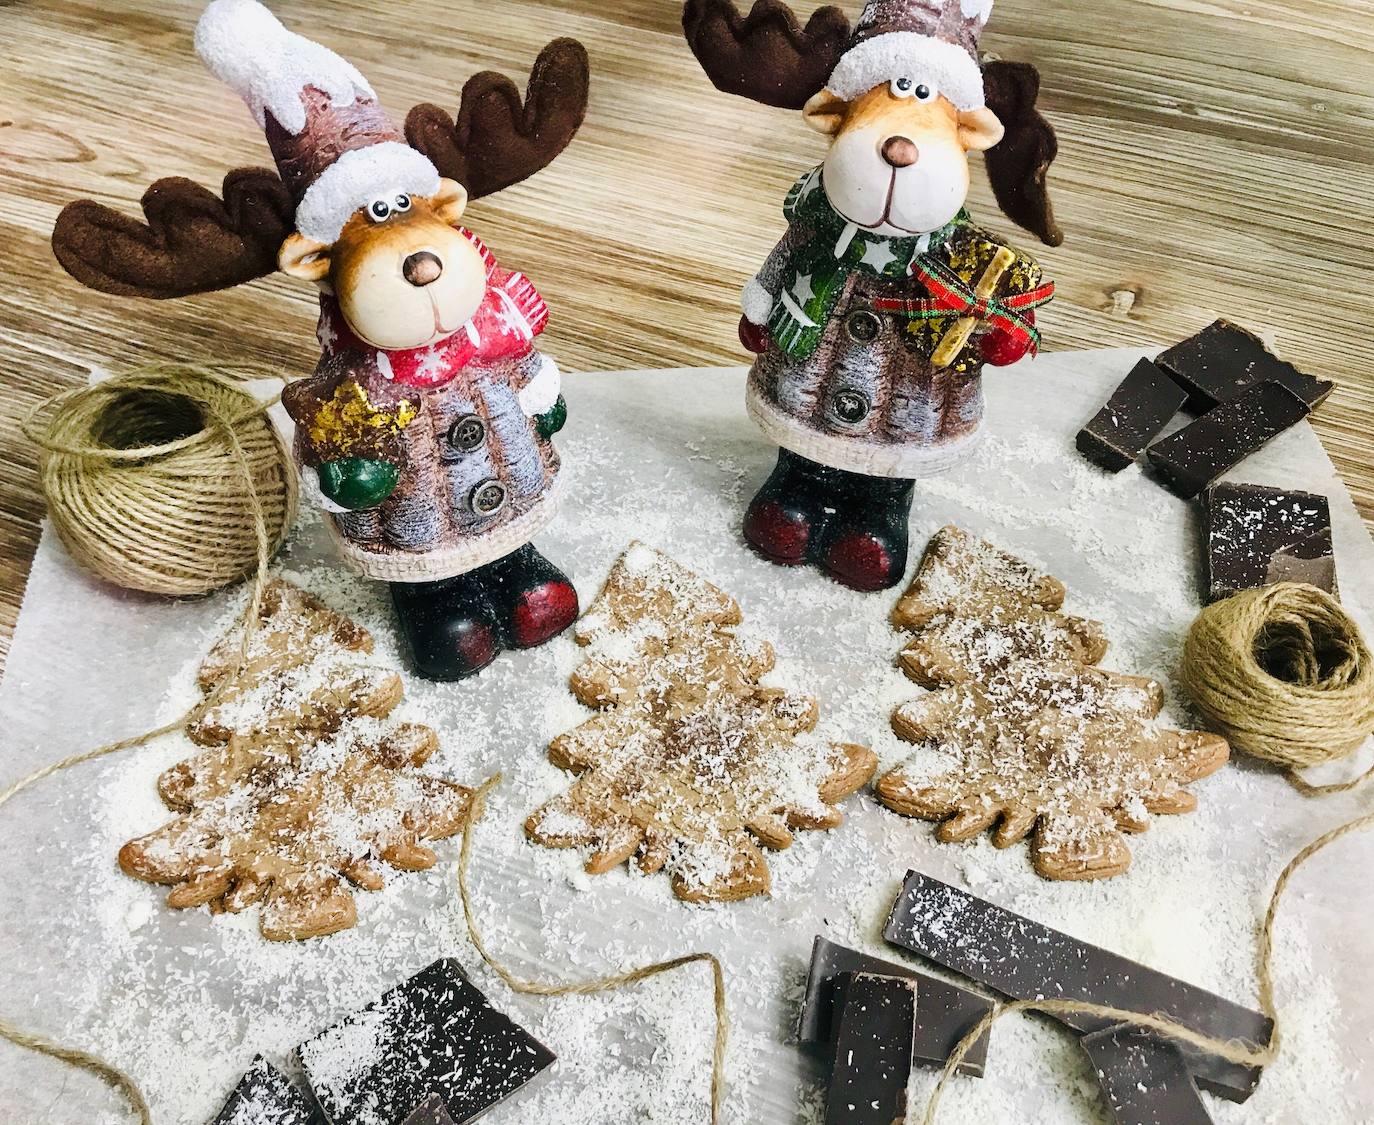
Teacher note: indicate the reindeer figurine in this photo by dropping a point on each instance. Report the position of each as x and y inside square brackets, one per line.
[426, 429]
[873, 317]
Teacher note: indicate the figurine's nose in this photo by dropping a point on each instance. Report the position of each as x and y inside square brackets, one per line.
[422, 268]
[900, 152]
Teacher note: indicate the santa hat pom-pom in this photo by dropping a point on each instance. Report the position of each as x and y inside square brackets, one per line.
[248, 49]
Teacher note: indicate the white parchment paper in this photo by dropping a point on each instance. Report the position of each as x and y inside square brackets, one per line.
[183, 1000]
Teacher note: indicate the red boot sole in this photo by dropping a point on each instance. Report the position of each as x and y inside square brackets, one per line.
[775, 535]
[542, 613]
[860, 562]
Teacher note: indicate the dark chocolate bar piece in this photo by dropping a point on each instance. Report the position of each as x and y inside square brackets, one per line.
[946, 1014]
[1257, 535]
[1309, 560]
[431, 1051]
[265, 1096]
[1027, 961]
[1133, 417]
[1224, 360]
[1143, 1078]
[1192, 458]
[873, 1050]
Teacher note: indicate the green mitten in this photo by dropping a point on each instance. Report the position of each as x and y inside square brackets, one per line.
[358, 482]
[551, 422]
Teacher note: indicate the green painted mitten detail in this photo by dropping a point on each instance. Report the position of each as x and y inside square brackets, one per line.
[356, 483]
[554, 420]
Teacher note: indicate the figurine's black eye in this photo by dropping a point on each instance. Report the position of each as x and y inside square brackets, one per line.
[924, 93]
[901, 87]
[379, 210]
[402, 202]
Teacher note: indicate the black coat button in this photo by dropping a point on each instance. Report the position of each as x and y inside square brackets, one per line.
[850, 405]
[488, 497]
[863, 326]
[467, 433]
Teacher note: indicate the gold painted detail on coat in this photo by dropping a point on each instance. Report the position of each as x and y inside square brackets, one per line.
[350, 418]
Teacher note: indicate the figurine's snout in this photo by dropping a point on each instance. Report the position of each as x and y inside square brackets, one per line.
[422, 268]
[900, 152]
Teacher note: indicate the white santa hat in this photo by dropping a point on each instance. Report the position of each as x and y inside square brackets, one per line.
[335, 147]
[934, 42]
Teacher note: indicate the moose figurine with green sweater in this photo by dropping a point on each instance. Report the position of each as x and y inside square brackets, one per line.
[872, 318]
[425, 431]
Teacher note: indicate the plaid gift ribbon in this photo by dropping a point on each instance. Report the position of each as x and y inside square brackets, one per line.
[951, 295]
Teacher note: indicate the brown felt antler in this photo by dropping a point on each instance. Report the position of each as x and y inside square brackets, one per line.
[1018, 164]
[497, 140]
[193, 240]
[766, 56]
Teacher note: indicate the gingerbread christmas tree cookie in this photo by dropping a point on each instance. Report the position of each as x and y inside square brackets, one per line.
[1039, 742]
[305, 784]
[690, 762]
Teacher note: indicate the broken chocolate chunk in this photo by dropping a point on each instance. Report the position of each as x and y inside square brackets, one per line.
[1133, 417]
[873, 1050]
[1258, 535]
[432, 1051]
[1143, 1078]
[1224, 360]
[265, 1096]
[946, 1014]
[1193, 457]
[1027, 961]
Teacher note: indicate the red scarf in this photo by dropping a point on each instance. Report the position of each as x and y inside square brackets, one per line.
[511, 315]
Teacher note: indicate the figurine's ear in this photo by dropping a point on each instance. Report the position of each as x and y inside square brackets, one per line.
[824, 111]
[450, 201]
[979, 129]
[303, 257]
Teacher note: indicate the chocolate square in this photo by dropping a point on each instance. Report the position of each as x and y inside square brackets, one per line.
[265, 1096]
[1224, 360]
[1190, 459]
[431, 1051]
[1134, 416]
[1143, 1078]
[1027, 961]
[945, 1015]
[873, 1050]
[1256, 535]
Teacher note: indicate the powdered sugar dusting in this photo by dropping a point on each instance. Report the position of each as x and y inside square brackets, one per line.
[184, 1001]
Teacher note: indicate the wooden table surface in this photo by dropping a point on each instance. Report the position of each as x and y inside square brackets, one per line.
[1215, 160]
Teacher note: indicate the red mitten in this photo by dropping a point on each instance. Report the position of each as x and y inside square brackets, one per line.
[1001, 348]
[753, 336]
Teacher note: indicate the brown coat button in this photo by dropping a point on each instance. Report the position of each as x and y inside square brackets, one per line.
[488, 497]
[863, 326]
[467, 433]
[850, 405]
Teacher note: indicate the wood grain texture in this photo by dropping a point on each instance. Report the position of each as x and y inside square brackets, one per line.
[1214, 161]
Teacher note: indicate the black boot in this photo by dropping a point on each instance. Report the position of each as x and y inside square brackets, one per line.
[865, 542]
[451, 626]
[534, 599]
[789, 513]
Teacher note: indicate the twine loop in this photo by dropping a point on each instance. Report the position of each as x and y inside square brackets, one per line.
[1284, 674]
[149, 476]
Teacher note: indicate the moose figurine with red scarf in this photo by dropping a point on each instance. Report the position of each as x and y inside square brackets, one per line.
[426, 429]
[873, 317]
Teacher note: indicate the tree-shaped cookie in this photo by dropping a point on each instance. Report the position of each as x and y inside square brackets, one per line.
[304, 784]
[689, 762]
[1038, 742]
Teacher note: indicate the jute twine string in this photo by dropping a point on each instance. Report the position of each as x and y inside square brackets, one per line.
[1283, 673]
[146, 493]
[599, 984]
[225, 419]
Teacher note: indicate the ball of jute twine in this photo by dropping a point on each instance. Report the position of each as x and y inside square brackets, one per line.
[1283, 673]
[146, 474]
